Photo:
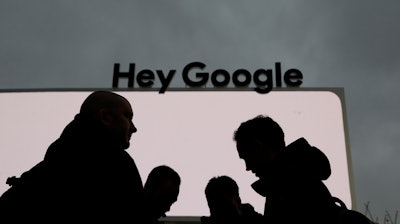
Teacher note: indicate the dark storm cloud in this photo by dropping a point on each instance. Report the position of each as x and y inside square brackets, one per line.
[355, 46]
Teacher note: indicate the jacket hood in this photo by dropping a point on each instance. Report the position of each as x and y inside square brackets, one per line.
[298, 161]
[306, 161]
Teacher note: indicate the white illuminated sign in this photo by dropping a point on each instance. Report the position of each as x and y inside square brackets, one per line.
[190, 131]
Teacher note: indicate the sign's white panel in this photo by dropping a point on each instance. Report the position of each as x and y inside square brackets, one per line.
[191, 131]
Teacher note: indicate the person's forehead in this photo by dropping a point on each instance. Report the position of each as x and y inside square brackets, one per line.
[244, 146]
[125, 102]
[170, 184]
[170, 188]
[125, 105]
[170, 191]
[248, 148]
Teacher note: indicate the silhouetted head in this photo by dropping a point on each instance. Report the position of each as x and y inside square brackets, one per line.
[258, 142]
[222, 194]
[114, 112]
[161, 190]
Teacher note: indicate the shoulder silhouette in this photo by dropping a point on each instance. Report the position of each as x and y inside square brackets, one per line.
[86, 174]
[290, 177]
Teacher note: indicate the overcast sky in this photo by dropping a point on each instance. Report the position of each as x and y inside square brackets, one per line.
[349, 44]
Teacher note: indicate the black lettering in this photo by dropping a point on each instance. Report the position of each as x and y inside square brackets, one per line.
[219, 73]
[202, 75]
[117, 75]
[278, 74]
[145, 78]
[267, 83]
[237, 74]
[293, 77]
[165, 81]
[195, 75]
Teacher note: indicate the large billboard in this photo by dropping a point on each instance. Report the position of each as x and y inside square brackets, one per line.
[190, 131]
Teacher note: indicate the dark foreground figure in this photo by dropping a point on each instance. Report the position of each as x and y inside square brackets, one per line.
[86, 175]
[290, 177]
[161, 190]
[225, 204]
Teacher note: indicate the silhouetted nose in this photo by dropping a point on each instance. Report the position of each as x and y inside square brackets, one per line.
[133, 128]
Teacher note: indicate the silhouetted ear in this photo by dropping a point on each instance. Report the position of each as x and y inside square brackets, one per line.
[104, 116]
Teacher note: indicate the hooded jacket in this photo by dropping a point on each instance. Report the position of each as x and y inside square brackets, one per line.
[294, 188]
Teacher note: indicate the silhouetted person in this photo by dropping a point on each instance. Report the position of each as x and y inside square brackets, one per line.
[161, 190]
[225, 205]
[86, 175]
[290, 176]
